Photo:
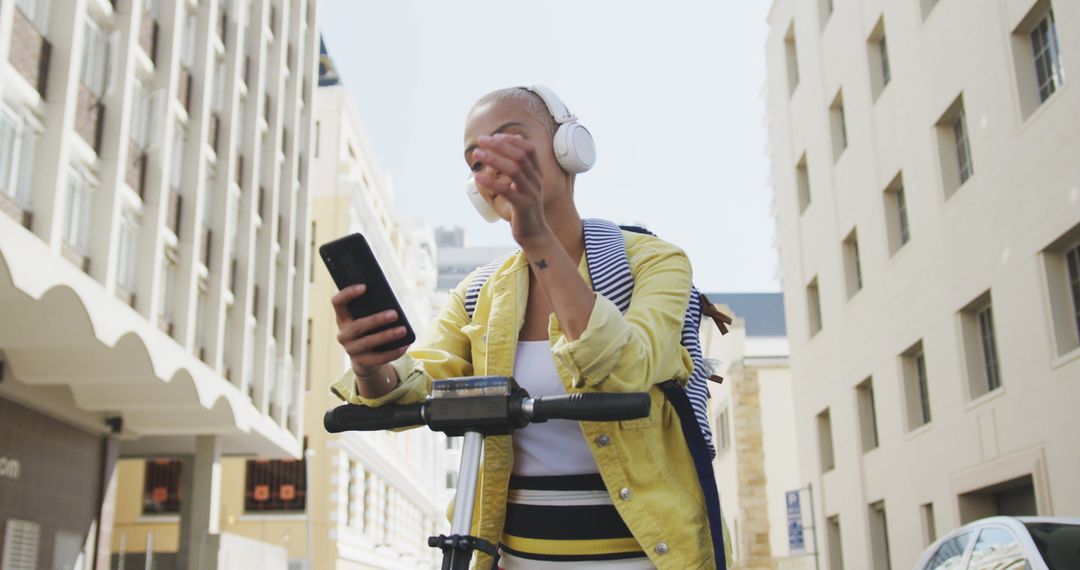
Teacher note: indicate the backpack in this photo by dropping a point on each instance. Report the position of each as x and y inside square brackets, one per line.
[609, 269]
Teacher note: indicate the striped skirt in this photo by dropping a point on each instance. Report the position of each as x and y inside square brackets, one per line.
[565, 522]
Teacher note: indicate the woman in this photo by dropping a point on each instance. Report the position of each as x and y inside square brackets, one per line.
[620, 494]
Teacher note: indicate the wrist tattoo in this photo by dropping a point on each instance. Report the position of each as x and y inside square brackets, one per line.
[541, 264]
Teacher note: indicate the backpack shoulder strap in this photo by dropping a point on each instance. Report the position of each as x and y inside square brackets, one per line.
[609, 266]
[480, 277]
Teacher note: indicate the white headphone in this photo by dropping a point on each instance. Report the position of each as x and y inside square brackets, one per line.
[574, 147]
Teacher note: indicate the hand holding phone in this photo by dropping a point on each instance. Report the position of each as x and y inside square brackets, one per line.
[372, 328]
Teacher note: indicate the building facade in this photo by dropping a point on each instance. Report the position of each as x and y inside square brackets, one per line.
[355, 500]
[753, 425]
[153, 185]
[928, 204]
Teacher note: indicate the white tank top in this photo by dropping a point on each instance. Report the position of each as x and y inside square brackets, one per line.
[555, 447]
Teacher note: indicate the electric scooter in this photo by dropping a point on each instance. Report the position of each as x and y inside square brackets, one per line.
[475, 408]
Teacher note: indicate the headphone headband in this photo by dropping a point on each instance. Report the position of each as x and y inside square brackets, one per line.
[559, 111]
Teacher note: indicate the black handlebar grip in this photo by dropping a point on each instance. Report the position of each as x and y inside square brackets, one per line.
[591, 407]
[350, 417]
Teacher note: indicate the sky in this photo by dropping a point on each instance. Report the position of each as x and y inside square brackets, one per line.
[672, 91]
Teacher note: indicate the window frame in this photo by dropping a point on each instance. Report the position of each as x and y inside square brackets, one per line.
[1046, 29]
[128, 251]
[78, 209]
[95, 69]
[25, 132]
[289, 476]
[172, 471]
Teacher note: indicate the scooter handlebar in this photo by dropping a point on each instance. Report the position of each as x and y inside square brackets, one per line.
[592, 407]
[351, 417]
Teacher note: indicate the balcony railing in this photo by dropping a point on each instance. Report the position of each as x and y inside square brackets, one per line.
[205, 241]
[30, 52]
[149, 32]
[214, 131]
[172, 216]
[90, 117]
[136, 170]
[183, 88]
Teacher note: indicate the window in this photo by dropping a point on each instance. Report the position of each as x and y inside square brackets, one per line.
[852, 264]
[838, 123]
[951, 554]
[129, 244]
[168, 289]
[864, 396]
[187, 46]
[1061, 261]
[78, 212]
[878, 51]
[813, 307]
[96, 56]
[916, 390]
[18, 141]
[825, 10]
[176, 162]
[929, 527]
[896, 215]
[143, 115]
[792, 52]
[879, 537]
[980, 346]
[218, 102]
[353, 510]
[954, 147]
[1037, 58]
[996, 548]
[22, 541]
[825, 441]
[161, 487]
[151, 7]
[802, 183]
[1044, 46]
[275, 485]
[37, 11]
[963, 147]
[201, 303]
[836, 554]
[1053, 540]
[723, 426]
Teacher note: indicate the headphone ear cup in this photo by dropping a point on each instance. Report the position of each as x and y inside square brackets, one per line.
[574, 147]
[486, 211]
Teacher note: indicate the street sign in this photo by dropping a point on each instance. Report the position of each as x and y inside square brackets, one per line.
[796, 540]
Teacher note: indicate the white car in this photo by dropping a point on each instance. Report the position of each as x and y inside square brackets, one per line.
[1001, 543]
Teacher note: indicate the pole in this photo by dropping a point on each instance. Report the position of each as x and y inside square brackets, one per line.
[468, 473]
[813, 520]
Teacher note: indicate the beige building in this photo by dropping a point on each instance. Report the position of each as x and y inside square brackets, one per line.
[754, 430]
[152, 265]
[927, 195]
[358, 500]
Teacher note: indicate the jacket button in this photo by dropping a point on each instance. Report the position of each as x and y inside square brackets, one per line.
[624, 494]
[603, 440]
[661, 548]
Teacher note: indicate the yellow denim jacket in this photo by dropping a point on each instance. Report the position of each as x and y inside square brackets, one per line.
[644, 463]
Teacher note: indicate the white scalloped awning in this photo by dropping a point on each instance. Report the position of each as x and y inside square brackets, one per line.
[60, 328]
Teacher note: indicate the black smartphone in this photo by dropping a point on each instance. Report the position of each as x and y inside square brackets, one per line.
[351, 262]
